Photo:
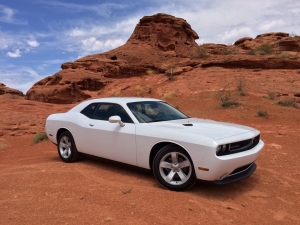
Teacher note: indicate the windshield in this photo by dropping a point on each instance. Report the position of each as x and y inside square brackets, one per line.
[154, 111]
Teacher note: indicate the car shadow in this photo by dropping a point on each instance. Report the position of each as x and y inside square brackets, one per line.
[118, 167]
[225, 191]
[201, 188]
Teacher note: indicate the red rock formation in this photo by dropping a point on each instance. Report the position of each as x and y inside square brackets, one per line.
[156, 43]
[7, 90]
[163, 44]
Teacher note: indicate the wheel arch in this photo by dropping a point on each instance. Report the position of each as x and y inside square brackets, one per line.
[155, 149]
[60, 131]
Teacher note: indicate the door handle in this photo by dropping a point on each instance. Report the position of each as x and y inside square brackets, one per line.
[91, 125]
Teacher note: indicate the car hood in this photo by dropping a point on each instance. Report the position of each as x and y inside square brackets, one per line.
[208, 128]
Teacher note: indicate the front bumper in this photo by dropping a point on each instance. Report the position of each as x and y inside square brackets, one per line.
[238, 176]
[218, 168]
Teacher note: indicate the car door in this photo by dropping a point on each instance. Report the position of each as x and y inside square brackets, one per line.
[110, 140]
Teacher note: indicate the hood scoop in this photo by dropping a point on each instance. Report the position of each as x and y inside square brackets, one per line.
[188, 124]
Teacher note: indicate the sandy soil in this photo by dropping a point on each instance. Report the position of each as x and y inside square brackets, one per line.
[38, 188]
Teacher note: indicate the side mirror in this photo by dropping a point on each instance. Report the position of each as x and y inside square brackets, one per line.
[116, 119]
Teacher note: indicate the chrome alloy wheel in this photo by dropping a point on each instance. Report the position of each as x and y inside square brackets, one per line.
[65, 147]
[175, 168]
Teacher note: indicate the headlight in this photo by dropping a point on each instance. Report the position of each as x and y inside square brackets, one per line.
[220, 149]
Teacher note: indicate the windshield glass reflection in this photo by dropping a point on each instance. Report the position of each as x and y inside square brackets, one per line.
[154, 111]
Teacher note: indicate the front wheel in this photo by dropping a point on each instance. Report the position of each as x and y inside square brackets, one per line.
[173, 168]
[66, 147]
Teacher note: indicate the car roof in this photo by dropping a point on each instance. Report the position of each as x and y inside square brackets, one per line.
[118, 100]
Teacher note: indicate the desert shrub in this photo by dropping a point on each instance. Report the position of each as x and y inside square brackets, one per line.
[288, 102]
[285, 55]
[240, 85]
[272, 95]
[228, 51]
[200, 52]
[139, 90]
[3, 144]
[41, 136]
[170, 71]
[168, 95]
[293, 35]
[151, 72]
[227, 101]
[225, 51]
[262, 113]
[251, 52]
[265, 49]
[149, 89]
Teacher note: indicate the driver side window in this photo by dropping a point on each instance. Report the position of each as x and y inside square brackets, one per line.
[105, 110]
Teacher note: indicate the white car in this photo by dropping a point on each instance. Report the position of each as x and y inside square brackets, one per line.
[151, 134]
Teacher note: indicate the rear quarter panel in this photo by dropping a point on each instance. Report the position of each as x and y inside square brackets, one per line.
[72, 121]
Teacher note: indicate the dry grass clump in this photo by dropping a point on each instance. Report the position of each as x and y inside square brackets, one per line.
[293, 35]
[108, 219]
[240, 85]
[227, 101]
[41, 136]
[262, 113]
[251, 52]
[3, 144]
[264, 49]
[151, 72]
[272, 95]
[288, 103]
[285, 55]
[167, 96]
[140, 90]
[200, 52]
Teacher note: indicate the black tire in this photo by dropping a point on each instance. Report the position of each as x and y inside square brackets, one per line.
[173, 168]
[66, 147]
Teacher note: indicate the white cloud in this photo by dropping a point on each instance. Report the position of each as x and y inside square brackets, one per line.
[234, 34]
[14, 54]
[269, 25]
[7, 15]
[21, 78]
[103, 9]
[92, 44]
[33, 43]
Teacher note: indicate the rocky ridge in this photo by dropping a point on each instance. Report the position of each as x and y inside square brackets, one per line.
[6, 90]
[163, 44]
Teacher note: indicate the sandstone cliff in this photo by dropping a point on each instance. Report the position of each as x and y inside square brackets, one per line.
[163, 44]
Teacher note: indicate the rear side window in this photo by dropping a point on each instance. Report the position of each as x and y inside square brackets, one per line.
[89, 110]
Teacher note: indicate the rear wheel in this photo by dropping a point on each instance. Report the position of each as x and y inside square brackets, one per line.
[173, 168]
[66, 147]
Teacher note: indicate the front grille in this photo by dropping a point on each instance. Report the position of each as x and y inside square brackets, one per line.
[240, 146]
[243, 145]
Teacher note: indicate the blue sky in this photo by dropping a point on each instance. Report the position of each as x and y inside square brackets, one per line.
[37, 36]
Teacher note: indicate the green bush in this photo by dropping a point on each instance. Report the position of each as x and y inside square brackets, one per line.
[41, 136]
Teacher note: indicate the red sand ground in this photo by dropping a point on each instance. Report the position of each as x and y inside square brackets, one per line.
[38, 188]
